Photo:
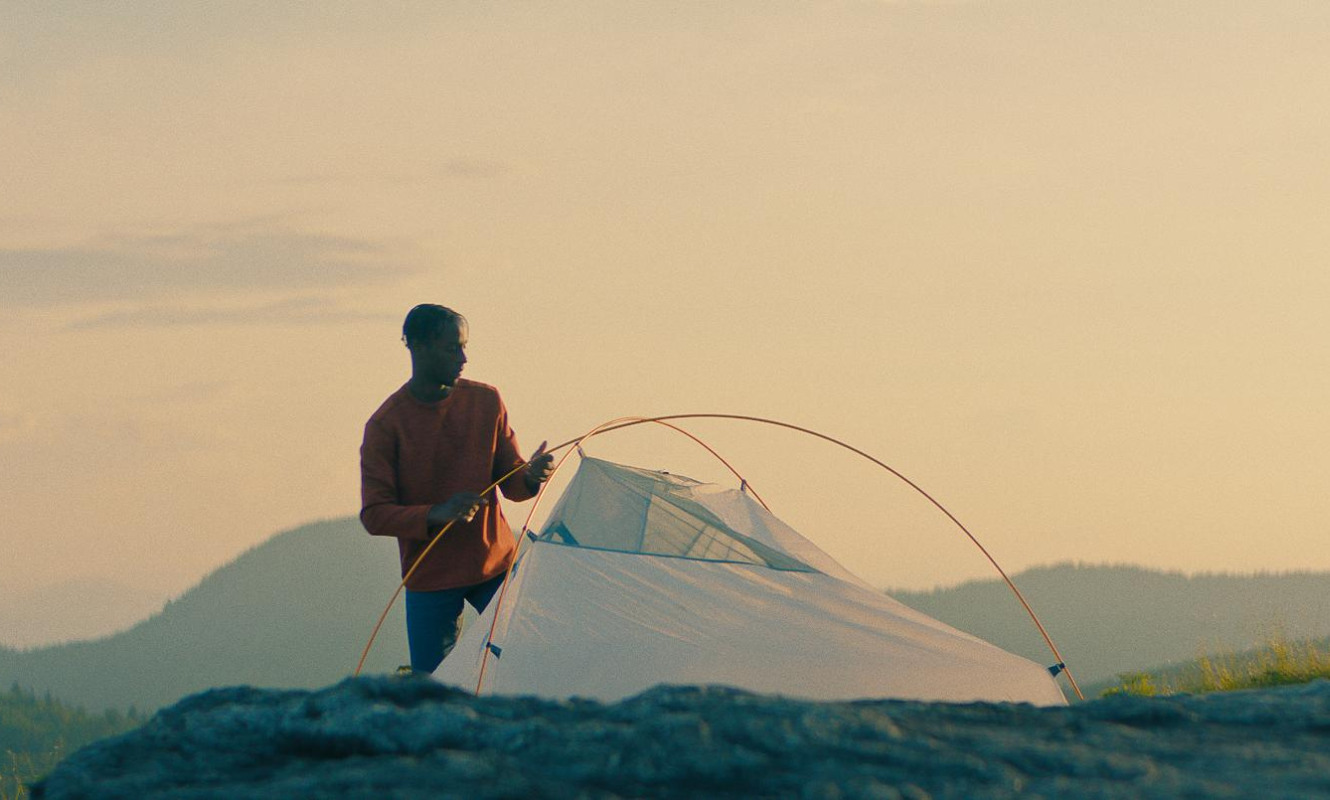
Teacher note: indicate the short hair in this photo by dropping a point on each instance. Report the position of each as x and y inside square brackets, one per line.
[426, 321]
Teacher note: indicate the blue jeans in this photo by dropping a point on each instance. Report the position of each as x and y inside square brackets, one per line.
[434, 620]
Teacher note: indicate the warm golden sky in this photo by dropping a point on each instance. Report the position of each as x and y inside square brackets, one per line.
[1063, 264]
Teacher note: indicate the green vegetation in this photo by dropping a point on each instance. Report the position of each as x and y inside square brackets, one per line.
[35, 733]
[1279, 663]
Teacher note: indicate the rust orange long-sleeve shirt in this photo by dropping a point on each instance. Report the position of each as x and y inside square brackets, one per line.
[417, 454]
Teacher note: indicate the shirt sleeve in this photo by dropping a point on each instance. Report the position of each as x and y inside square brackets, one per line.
[380, 511]
[507, 458]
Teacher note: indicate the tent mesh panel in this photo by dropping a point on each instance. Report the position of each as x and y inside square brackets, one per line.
[613, 507]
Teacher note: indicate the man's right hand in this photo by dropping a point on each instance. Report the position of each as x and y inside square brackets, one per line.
[461, 506]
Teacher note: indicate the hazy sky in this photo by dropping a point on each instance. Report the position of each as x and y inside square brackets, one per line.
[1060, 263]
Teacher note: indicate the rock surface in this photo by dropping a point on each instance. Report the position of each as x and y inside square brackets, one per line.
[390, 737]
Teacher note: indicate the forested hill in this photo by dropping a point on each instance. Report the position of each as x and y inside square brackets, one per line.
[292, 612]
[1111, 619]
[296, 610]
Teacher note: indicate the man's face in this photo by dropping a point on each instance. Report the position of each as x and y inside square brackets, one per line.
[445, 355]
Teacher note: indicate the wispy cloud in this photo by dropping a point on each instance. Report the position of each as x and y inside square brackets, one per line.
[454, 170]
[186, 393]
[473, 168]
[291, 311]
[105, 432]
[235, 258]
[15, 424]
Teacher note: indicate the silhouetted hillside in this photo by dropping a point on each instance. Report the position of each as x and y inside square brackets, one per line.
[1111, 619]
[72, 610]
[296, 610]
[292, 612]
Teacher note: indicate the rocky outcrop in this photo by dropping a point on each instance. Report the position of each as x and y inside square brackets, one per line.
[388, 737]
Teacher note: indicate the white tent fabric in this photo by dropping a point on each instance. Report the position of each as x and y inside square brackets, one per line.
[640, 578]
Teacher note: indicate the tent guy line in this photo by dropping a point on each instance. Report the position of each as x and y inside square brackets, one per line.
[631, 421]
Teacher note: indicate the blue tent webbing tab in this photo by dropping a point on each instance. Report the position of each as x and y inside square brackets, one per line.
[495, 649]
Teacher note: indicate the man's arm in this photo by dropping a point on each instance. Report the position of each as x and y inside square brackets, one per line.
[380, 512]
[525, 482]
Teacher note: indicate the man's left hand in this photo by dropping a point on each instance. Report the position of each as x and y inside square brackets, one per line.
[539, 467]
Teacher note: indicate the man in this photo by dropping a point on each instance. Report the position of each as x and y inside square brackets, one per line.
[428, 450]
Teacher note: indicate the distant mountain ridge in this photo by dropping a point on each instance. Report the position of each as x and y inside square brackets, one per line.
[292, 612]
[1107, 620]
[46, 616]
[295, 612]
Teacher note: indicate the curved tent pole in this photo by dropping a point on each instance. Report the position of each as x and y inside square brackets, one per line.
[628, 422]
[1025, 604]
[521, 537]
[493, 487]
[576, 446]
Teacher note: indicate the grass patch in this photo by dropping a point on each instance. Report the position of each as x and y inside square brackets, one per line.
[36, 733]
[21, 770]
[1280, 662]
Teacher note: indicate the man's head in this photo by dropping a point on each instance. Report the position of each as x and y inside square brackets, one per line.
[427, 321]
[436, 337]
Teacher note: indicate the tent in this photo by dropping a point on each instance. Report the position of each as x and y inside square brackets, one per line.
[639, 578]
